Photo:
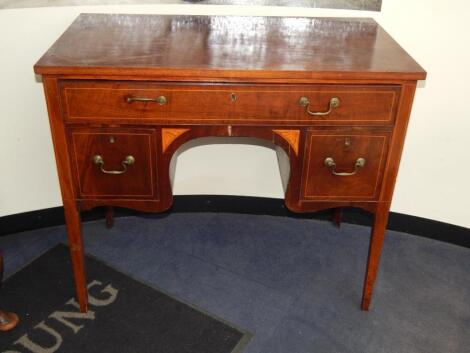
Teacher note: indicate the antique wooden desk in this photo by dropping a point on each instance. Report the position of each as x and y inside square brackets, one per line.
[125, 91]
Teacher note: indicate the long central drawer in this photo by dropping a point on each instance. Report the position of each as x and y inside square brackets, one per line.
[224, 103]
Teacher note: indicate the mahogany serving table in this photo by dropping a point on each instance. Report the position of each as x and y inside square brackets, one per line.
[125, 91]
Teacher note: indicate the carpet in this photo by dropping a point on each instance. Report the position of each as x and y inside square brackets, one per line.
[124, 314]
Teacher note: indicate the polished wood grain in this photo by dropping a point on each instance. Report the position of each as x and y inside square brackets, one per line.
[67, 188]
[359, 104]
[345, 147]
[139, 180]
[292, 137]
[169, 135]
[217, 46]
[227, 77]
[388, 184]
[236, 104]
[375, 250]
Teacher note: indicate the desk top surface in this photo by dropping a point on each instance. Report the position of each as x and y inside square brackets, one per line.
[230, 47]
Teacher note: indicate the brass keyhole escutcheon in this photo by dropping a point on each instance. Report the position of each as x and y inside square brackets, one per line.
[111, 139]
[233, 97]
[347, 141]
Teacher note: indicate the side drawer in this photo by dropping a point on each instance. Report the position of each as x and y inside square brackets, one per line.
[343, 165]
[229, 103]
[114, 163]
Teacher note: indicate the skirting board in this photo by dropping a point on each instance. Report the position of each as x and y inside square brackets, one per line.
[251, 205]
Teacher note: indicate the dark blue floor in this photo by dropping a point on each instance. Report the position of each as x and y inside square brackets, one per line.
[294, 284]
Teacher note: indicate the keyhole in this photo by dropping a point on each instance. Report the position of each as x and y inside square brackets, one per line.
[347, 141]
[233, 97]
[111, 139]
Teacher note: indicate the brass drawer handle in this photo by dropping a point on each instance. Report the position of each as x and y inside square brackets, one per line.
[331, 164]
[99, 161]
[160, 100]
[305, 102]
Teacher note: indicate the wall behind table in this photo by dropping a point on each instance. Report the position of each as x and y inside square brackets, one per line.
[433, 179]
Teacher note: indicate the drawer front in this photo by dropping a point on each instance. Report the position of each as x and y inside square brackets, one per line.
[124, 101]
[189, 103]
[319, 104]
[344, 165]
[114, 163]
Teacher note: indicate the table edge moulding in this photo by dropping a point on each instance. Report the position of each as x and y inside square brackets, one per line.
[124, 92]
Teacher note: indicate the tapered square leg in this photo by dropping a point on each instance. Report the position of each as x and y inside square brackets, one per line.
[337, 216]
[109, 214]
[375, 249]
[74, 233]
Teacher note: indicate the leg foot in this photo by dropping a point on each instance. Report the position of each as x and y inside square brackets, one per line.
[375, 250]
[337, 216]
[109, 214]
[74, 233]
